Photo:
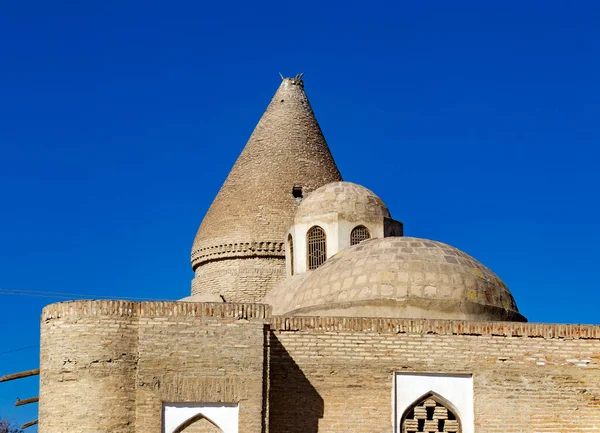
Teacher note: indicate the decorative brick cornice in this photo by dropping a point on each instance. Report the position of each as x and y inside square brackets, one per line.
[75, 309]
[243, 249]
[251, 311]
[440, 327]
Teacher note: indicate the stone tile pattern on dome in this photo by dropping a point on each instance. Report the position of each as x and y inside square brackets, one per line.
[350, 200]
[396, 268]
[255, 205]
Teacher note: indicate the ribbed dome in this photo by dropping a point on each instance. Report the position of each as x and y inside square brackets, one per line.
[349, 200]
[399, 277]
[255, 206]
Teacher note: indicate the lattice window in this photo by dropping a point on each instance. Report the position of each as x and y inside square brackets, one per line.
[359, 234]
[291, 244]
[317, 247]
[430, 415]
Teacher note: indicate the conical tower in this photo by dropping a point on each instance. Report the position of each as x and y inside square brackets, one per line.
[239, 253]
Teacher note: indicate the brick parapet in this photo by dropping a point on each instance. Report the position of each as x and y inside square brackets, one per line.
[247, 311]
[250, 311]
[438, 327]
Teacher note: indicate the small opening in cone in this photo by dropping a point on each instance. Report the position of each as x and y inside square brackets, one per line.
[297, 192]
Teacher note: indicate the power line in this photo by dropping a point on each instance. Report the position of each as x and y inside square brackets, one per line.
[19, 349]
[66, 295]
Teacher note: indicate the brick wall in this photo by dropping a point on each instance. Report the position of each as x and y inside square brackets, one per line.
[335, 375]
[88, 356]
[108, 366]
[239, 280]
[200, 359]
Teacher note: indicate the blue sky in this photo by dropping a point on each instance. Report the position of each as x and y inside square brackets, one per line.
[476, 122]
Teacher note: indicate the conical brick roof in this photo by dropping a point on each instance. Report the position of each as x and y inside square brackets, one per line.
[255, 206]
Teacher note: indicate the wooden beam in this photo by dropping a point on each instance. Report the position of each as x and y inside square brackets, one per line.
[13, 376]
[20, 402]
[29, 424]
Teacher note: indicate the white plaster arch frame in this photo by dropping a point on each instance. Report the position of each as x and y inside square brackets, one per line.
[456, 389]
[223, 415]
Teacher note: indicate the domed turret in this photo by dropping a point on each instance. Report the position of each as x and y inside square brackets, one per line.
[348, 200]
[238, 251]
[334, 217]
[399, 277]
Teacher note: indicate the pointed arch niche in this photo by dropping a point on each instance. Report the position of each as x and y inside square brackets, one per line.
[183, 417]
[446, 396]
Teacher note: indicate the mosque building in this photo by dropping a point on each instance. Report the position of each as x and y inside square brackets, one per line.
[310, 311]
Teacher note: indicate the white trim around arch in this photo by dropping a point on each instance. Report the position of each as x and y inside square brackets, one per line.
[456, 389]
[223, 415]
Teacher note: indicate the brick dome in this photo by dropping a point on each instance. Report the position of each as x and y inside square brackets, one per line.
[399, 277]
[347, 199]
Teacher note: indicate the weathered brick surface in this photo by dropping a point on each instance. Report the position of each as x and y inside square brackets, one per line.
[255, 206]
[240, 280]
[108, 366]
[206, 360]
[88, 360]
[336, 375]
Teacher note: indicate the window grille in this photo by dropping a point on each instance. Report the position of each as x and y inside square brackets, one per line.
[359, 234]
[291, 244]
[429, 414]
[317, 248]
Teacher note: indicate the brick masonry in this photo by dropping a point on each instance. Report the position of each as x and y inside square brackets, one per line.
[527, 377]
[241, 280]
[255, 206]
[108, 366]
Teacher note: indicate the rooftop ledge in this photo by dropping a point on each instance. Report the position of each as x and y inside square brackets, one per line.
[254, 311]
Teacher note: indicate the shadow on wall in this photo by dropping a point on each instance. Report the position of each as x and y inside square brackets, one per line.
[295, 406]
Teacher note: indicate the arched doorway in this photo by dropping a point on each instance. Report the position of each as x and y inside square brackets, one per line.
[198, 424]
[200, 418]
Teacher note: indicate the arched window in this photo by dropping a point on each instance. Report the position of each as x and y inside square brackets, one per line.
[430, 414]
[359, 234]
[317, 247]
[291, 246]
